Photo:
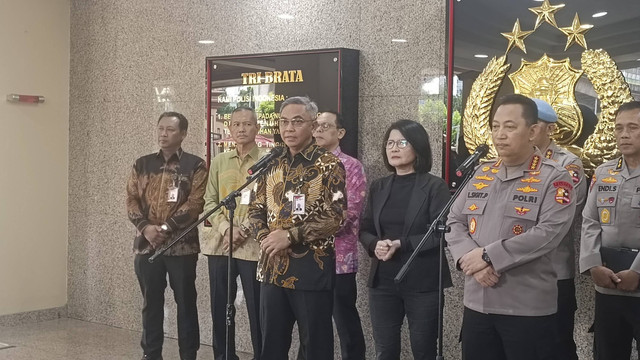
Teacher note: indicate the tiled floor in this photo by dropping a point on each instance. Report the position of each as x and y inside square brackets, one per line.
[64, 339]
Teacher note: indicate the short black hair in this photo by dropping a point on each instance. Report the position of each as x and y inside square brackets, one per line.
[246, 108]
[630, 105]
[339, 118]
[417, 136]
[529, 107]
[183, 124]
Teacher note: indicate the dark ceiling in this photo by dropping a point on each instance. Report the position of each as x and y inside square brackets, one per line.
[478, 24]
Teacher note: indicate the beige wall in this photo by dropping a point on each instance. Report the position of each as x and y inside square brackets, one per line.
[34, 38]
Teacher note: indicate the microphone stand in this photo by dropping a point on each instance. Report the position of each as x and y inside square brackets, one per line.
[229, 203]
[439, 225]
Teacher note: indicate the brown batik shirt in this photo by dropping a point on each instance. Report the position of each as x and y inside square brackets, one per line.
[153, 180]
[319, 176]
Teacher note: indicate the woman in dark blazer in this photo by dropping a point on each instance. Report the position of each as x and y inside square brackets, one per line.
[400, 209]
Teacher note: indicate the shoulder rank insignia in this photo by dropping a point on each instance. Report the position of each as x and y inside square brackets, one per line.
[484, 177]
[530, 180]
[535, 162]
[473, 207]
[480, 185]
[549, 154]
[521, 210]
[609, 180]
[527, 189]
[619, 164]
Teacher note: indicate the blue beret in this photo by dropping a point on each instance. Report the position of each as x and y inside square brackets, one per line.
[545, 111]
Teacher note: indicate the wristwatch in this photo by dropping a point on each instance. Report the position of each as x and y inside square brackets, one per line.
[485, 256]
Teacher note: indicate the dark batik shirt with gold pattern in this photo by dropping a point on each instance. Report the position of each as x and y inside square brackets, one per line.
[320, 177]
[148, 189]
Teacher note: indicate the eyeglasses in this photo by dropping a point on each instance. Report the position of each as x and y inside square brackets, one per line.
[402, 143]
[297, 122]
[325, 126]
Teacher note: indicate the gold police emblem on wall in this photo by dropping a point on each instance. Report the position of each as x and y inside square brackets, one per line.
[553, 81]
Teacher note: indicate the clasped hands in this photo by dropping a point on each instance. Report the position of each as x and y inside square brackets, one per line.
[386, 248]
[239, 238]
[155, 235]
[276, 244]
[472, 264]
[626, 280]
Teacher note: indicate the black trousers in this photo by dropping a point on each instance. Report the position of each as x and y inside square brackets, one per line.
[153, 282]
[388, 310]
[507, 337]
[281, 308]
[617, 323]
[218, 288]
[565, 320]
[347, 319]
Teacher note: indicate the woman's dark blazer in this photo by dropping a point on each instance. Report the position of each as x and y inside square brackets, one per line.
[430, 195]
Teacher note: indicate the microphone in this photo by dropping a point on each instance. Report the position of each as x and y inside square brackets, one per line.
[480, 152]
[265, 160]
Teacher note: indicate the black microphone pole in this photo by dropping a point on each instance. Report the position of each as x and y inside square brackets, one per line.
[439, 225]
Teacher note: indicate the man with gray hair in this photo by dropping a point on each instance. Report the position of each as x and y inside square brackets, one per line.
[299, 205]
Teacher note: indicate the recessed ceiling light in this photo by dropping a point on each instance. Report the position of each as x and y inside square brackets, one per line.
[285, 16]
[481, 56]
[206, 41]
[399, 40]
[539, 0]
[586, 26]
[599, 14]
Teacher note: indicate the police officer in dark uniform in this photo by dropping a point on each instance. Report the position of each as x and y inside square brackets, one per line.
[504, 231]
[611, 239]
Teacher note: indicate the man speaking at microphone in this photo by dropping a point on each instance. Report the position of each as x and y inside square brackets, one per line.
[164, 196]
[505, 227]
[228, 171]
[299, 205]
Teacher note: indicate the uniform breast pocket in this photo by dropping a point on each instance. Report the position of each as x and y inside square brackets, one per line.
[519, 217]
[474, 209]
[606, 205]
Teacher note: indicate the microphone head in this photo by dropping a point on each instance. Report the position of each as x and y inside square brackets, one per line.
[277, 151]
[482, 149]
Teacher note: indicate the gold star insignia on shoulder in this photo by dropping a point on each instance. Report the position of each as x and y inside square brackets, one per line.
[575, 33]
[516, 37]
[546, 12]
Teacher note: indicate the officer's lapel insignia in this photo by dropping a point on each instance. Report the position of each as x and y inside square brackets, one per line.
[472, 226]
[498, 163]
[535, 162]
[518, 229]
[521, 210]
[534, 173]
[495, 171]
[613, 172]
[527, 189]
[473, 207]
[609, 180]
[619, 164]
[480, 185]
[486, 168]
[484, 177]
[549, 154]
[605, 216]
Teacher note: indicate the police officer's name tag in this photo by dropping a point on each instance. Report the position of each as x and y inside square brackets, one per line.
[172, 195]
[298, 204]
[245, 197]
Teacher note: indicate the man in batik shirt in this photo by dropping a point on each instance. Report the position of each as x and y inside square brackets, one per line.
[299, 205]
[164, 196]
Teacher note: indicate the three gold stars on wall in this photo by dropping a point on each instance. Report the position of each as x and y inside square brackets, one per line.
[546, 13]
